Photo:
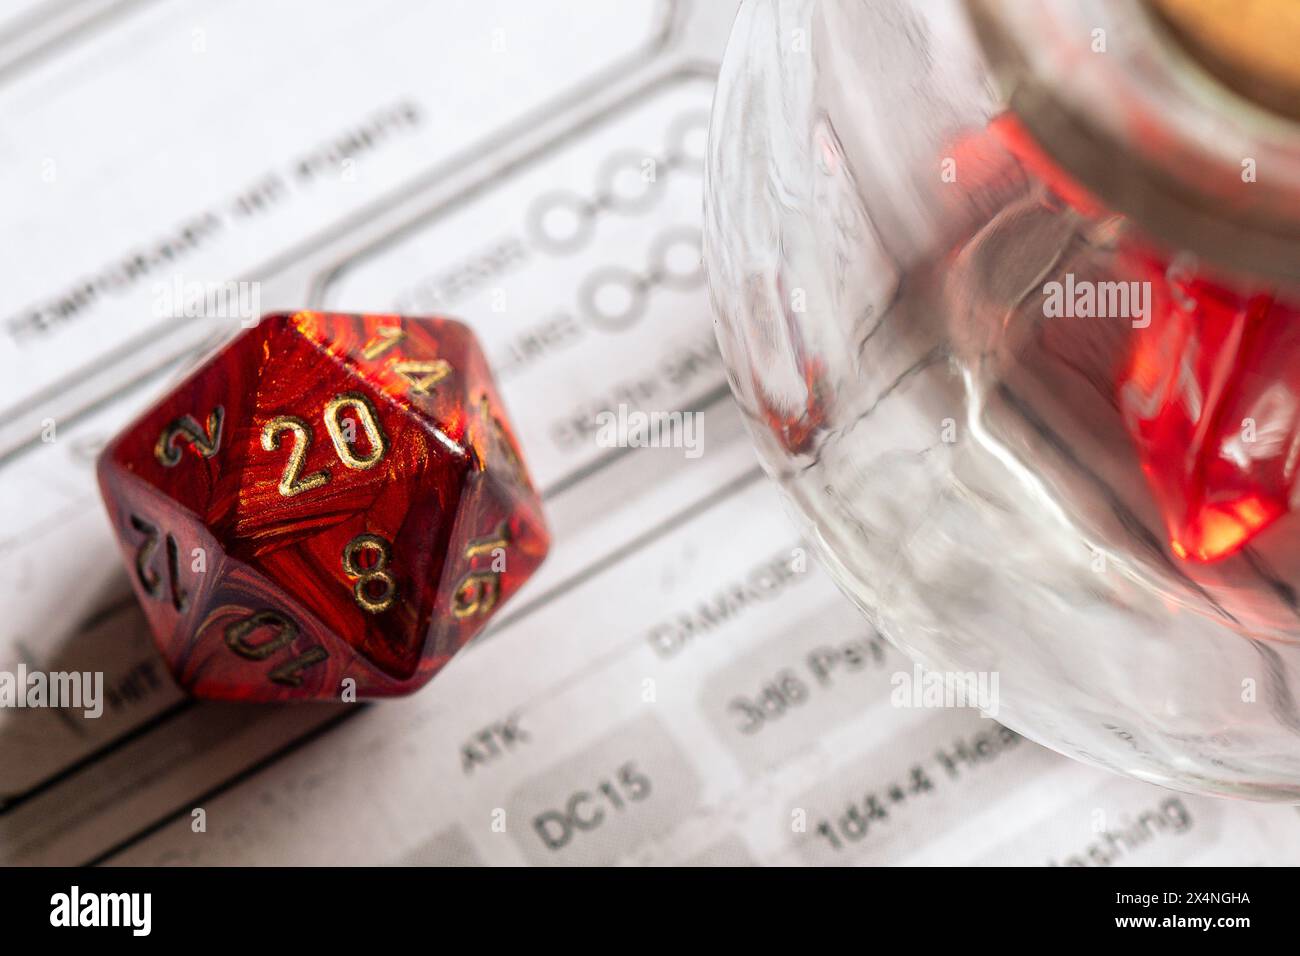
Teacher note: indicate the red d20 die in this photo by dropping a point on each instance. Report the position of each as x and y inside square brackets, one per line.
[328, 498]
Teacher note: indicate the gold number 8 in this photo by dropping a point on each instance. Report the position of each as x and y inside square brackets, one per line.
[375, 604]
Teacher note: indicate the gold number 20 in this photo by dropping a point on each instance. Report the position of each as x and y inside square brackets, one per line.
[292, 482]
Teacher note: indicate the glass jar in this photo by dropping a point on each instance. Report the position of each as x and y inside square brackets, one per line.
[1008, 295]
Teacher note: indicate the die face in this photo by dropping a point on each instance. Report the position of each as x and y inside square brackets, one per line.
[161, 546]
[327, 461]
[346, 499]
[422, 365]
[498, 542]
[500, 537]
[435, 368]
[253, 641]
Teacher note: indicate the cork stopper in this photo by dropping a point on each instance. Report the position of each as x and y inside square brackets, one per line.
[1251, 46]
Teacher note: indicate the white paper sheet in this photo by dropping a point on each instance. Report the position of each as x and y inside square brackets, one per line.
[669, 688]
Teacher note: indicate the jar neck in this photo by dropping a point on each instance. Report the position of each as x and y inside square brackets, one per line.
[1117, 100]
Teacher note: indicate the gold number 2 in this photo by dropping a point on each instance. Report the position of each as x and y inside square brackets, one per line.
[290, 483]
[188, 429]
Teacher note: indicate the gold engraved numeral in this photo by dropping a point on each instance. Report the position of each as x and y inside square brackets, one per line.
[144, 555]
[285, 631]
[422, 376]
[386, 337]
[179, 597]
[478, 591]
[365, 413]
[290, 482]
[502, 440]
[190, 432]
[489, 543]
[290, 672]
[237, 635]
[148, 578]
[361, 590]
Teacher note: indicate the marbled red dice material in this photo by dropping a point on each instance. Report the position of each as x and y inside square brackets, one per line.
[328, 497]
